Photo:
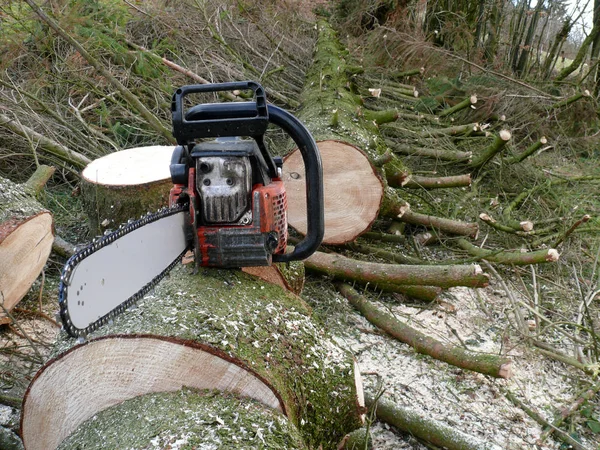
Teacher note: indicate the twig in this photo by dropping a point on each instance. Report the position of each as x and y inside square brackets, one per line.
[543, 422]
[573, 227]
[565, 413]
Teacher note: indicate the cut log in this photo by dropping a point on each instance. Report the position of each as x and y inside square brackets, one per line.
[333, 112]
[218, 329]
[26, 235]
[125, 185]
[386, 275]
[441, 223]
[487, 364]
[189, 418]
[422, 427]
[352, 191]
[507, 257]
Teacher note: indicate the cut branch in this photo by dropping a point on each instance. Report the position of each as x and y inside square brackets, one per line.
[392, 274]
[425, 428]
[528, 152]
[440, 223]
[487, 154]
[152, 120]
[467, 102]
[418, 182]
[504, 257]
[46, 144]
[487, 364]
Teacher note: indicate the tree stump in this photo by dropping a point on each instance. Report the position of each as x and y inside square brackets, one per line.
[125, 185]
[218, 329]
[26, 236]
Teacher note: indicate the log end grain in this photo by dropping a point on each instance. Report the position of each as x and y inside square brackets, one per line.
[353, 191]
[25, 245]
[552, 255]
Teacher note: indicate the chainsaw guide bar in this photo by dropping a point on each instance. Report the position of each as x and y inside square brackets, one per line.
[153, 246]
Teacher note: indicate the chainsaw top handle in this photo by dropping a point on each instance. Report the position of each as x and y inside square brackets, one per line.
[251, 119]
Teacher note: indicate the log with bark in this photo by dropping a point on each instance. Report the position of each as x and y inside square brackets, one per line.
[218, 330]
[26, 236]
[350, 143]
[425, 428]
[387, 276]
[125, 185]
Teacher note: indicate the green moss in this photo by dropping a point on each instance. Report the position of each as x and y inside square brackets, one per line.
[186, 419]
[14, 201]
[265, 327]
[331, 109]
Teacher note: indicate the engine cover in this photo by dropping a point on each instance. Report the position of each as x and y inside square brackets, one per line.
[224, 186]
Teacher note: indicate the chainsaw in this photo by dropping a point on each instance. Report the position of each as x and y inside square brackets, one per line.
[227, 205]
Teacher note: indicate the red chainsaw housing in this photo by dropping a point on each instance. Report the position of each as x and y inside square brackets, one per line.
[231, 245]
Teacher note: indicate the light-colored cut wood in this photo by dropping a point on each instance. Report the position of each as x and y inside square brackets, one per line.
[126, 185]
[24, 249]
[108, 371]
[353, 191]
[131, 167]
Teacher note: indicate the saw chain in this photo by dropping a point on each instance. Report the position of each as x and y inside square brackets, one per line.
[96, 246]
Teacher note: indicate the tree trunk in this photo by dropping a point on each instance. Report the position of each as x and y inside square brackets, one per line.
[26, 236]
[581, 53]
[560, 37]
[521, 68]
[219, 330]
[333, 112]
[125, 185]
[189, 417]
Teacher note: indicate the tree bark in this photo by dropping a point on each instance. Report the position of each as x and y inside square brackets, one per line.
[125, 185]
[389, 275]
[429, 430]
[218, 329]
[26, 236]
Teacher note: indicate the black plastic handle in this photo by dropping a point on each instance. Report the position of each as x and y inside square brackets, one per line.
[254, 123]
[314, 183]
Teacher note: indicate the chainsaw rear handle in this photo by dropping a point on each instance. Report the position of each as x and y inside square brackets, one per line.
[252, 119]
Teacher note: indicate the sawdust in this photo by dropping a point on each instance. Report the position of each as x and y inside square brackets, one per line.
[468, 401]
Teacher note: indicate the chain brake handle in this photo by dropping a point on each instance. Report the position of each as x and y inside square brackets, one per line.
[252, 119]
